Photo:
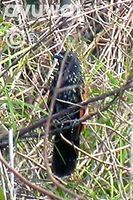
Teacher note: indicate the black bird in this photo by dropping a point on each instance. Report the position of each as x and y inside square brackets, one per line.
[65, 155]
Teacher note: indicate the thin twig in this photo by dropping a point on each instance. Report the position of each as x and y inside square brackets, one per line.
[48, 123]
[43, 37]
[28, 183]
[42, 121]
[93, 157]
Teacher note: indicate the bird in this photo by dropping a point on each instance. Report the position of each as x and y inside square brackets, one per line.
[64, 158]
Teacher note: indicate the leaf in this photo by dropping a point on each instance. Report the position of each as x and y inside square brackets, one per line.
[1, 18]
[113, 80]
[1, 194]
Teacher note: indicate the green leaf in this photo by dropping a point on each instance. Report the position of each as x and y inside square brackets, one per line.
[1, 194]
[1, 18]
[113, 80]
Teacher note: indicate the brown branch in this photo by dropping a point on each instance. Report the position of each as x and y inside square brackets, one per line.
[48, 124]
[27, 182]
[68, 124]
[43, 121]
[93, 157]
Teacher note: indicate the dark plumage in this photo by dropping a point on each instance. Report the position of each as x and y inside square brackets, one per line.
[65, 156]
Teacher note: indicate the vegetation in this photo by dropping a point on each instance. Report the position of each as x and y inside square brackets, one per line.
[102, 37]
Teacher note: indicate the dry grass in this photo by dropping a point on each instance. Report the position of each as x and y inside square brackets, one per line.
[104, 166]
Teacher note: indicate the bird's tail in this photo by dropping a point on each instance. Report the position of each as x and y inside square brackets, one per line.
[64, 155]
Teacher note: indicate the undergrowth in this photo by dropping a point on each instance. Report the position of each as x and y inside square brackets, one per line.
[105, 53]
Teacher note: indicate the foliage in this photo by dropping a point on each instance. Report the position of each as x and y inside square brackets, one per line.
[106, 58]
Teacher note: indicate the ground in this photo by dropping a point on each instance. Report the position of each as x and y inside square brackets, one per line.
[101, 35]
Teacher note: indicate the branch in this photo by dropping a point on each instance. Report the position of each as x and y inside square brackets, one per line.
[68, 124]
[43, 121]
[47, 128]
[93, 156]
[27, 182]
